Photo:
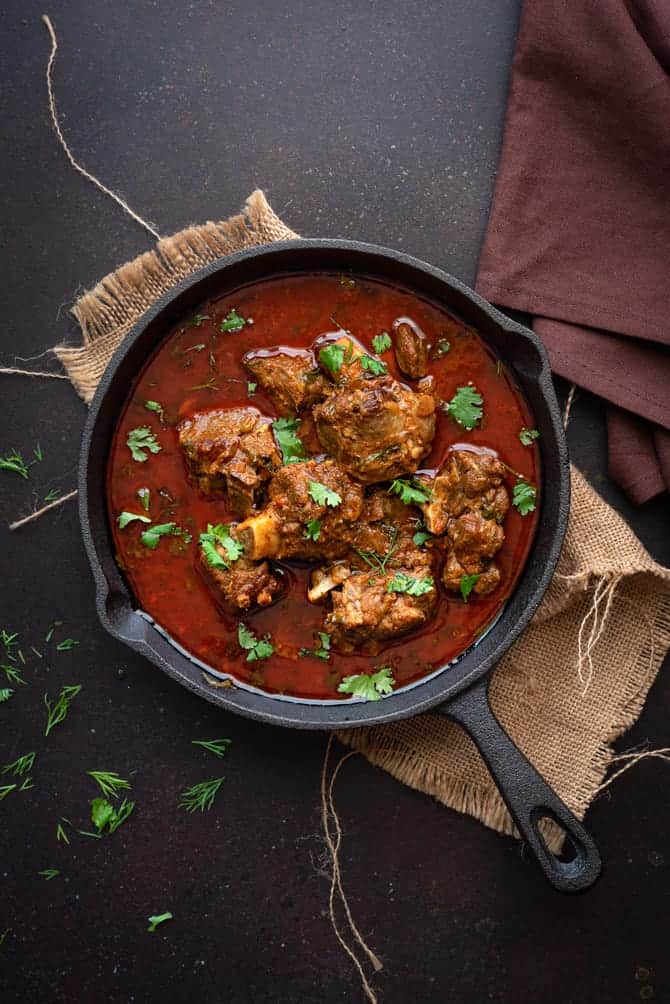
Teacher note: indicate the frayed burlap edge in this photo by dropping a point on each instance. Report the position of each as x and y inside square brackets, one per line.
[108, 312]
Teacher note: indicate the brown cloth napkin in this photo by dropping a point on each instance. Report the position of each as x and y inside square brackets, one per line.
[580, 224]
[574, 681]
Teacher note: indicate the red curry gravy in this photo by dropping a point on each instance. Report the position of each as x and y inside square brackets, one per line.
[197, 367]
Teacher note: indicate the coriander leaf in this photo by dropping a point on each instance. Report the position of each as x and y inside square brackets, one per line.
[251, 387]
[103, 814]
[332, 357]
[286, 436]
[420, 537]
[312, 529]
[468, 583]
[144, 495]
[216, 536]
[218, 747]
[155, 406]
[465, 406]
[158, 919]
[151, 537]
[402, 583]
[139, 441]
[374, 366]
[369, 687]
[523, 497]
[232, 322]
[381, 343]
[198, 319]
[129, 517]
[322, 650]
[441, 348]
[58, 711]
[5, 694]
[200, 796]
[257, 648]
[528, 435]
[323, 495]
[14, 462]
[411, 491]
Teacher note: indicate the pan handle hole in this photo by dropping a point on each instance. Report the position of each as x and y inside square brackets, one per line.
[550, 829]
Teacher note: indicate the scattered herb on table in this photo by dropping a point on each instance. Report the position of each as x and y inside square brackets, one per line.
[200, 796]
[218, 747]
[14, 462]
[50, 633]
[20, 766]
[157, 919]
[332, 357]
[528, 435]
[49, 873]
[129, 517]
[371, 687]
[289, 442]
[37, 453]
[410, 491]
[320, 651]
[256, 648]
[140, 440]
[465, 407]
[52, 495]
[144, 495]
[381, 343]
[36, 651]
[5, 790]
[58, 711]
[13, 675]
[5, 694]
[216, 536]
[109, 782]
[323, 495]
[66, 645]
[523, 497]
[105, 816]
[61, 834]
[158, 408]
[402, 583]
[27, 784]
[312, 529]
[10, 643]
[374, 366]
[468, 583]
[232, 322]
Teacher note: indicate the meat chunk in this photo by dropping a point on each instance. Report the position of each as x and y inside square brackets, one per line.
[230, 453]
[290, 376]
[467, 482]
[376, 429]
[312, 509]
[411, 348]
[245, 584]
[469, 503]
[366, 612]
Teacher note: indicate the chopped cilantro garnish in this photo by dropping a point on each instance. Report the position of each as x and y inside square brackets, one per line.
[151, 537]
[198, 319]
[323, 495]
[232, 322]
[528, 435]
[155, 406]
[381, 343]
[468, 583]
[465, 406]
[129, 517]
[332, 357]
[374, 366]
[421, 536]
[523, 497]
[411, 491]
[312, 529]
[289, 442]
[219, 536]
[105, 816]
[251, 387]
[402, 583]
[139, 441]
[371, 687]
[320, 651]
[256, 648]
[144, 495]
[441, 348]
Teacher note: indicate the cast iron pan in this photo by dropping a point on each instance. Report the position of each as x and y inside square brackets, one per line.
[459, 691]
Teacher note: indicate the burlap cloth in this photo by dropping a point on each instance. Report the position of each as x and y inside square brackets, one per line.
[579, 675]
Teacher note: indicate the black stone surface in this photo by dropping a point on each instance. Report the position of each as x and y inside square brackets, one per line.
[376, 121]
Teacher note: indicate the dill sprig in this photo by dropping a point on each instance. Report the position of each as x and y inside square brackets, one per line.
[9, 641]
[200, 796]
[66, 645]
[109, 781]
[14, 462]
[57, 712]
[5, 790]
[13, 674]
[216, 746]
[5, 694]
[20, 766]
[49, 873]
[61, 834]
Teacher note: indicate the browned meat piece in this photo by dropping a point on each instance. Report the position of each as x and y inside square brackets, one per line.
[411, 348]
[474, 541]
[366, 613]
[468, 481]
[290, 376]
[489, 575]
[376, 429]
[230, 453]
[245, 584]
[281, 530]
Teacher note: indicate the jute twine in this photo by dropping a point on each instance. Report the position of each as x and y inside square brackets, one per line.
[570, 686]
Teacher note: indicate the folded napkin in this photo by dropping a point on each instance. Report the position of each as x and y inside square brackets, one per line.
[580, 224]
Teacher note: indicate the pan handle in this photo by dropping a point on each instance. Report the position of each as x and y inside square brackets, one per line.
[527, 795]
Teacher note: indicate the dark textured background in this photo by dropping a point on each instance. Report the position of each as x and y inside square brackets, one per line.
[377, 121]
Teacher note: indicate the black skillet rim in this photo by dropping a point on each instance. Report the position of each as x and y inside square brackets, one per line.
[114, 602]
